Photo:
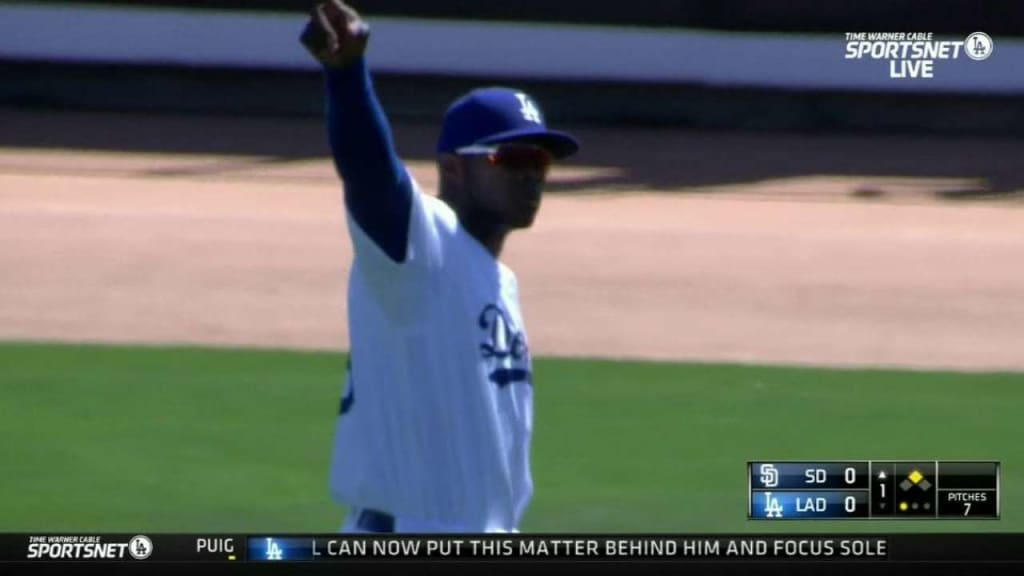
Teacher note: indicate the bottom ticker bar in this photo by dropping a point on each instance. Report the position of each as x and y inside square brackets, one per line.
[332, 548]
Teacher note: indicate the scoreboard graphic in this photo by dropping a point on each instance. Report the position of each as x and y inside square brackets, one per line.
[833, 490]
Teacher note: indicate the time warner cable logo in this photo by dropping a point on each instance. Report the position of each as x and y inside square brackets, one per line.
[87, 548]
[913, 54]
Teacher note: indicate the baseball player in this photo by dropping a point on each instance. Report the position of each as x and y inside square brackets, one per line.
[435, 423]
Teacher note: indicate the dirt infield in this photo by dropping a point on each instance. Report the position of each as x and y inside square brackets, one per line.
[653, 244]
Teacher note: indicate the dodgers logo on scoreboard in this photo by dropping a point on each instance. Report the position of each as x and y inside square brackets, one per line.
[772, 508]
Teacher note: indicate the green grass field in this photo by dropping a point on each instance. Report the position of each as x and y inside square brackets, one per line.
[184, 440]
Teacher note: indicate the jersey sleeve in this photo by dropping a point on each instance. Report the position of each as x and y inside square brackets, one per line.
[399, 234]
[378, 190]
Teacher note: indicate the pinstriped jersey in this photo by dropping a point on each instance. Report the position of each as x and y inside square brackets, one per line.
[437, 414]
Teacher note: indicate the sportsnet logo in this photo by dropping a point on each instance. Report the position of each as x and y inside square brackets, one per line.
[86, 548]
[913, 54]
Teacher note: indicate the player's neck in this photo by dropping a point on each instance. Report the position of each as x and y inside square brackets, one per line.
[492, 238]
[485, 228]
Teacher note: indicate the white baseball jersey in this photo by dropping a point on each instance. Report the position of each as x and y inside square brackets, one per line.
[439, 410]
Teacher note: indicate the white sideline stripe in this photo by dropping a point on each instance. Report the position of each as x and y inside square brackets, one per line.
[202, 38]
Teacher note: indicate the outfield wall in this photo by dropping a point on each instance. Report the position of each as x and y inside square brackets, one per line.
[650, 67]
[501, 49]
[952, 17]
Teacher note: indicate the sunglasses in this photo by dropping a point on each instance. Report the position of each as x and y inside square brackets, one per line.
[516, 157]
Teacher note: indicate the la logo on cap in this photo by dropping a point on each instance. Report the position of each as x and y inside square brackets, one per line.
[528, 109]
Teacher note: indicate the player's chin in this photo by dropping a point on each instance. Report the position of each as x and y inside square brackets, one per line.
[524, 215]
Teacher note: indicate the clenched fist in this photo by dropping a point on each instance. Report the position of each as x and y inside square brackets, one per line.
[335, 35]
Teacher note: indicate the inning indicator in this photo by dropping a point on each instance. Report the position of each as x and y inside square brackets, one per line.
[782, 490]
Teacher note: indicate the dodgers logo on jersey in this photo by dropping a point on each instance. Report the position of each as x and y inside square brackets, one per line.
[504, 347]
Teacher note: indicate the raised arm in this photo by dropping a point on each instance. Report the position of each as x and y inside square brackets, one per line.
[378, 191]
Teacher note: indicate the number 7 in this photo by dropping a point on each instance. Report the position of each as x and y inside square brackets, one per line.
[967, 508]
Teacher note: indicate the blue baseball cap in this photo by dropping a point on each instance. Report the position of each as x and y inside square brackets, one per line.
[489, 116]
